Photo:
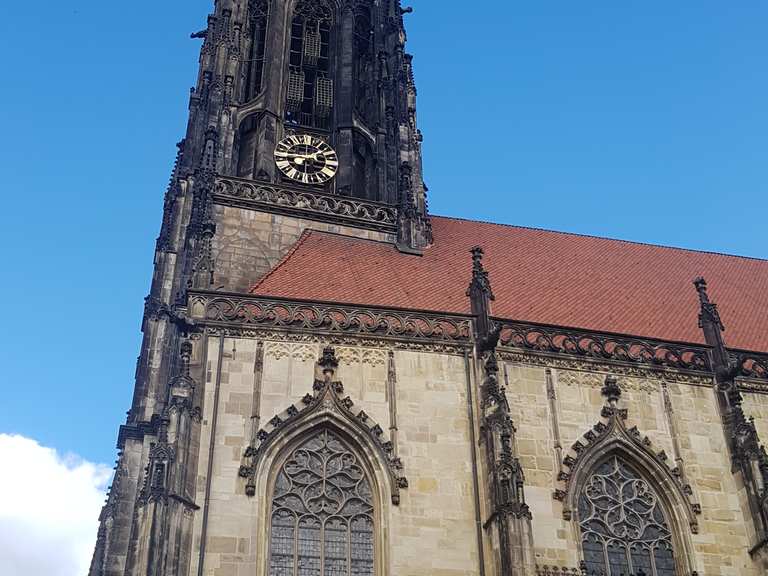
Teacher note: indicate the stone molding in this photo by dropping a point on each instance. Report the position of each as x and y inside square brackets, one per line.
[326, 402]
[221, 309]
[293, 350]
[609, 435]
[329, 339]
[306, 204]
[243, 315]
[638, 372]
[603, 347]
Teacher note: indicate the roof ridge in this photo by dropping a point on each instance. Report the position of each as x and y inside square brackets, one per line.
[296, 245]
[581, 235]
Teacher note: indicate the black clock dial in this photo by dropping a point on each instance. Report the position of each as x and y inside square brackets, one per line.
[307, 159]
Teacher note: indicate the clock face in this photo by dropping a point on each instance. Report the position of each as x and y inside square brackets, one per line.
[307, 159]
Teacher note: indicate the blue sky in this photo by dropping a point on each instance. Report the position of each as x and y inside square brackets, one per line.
[644, 120]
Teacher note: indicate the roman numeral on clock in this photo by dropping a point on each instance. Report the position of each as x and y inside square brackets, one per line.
[306, 158]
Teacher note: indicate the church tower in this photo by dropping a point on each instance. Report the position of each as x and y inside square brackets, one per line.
[303, 109]
[303, 117]
[330, 384]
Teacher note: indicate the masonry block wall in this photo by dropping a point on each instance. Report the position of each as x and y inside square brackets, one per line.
[433, 529]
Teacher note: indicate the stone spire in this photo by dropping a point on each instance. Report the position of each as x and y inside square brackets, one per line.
[480, 296]
[747, 452]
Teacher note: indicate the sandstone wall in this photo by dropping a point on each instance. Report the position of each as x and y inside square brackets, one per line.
[724, 538]
[433, 530]
[249, 243]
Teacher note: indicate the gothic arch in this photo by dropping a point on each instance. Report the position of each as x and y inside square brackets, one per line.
[258, 22]
[347, 529]
[246, 142]
[312, 50]
[326, 407]
[326, 411]
[611, 438]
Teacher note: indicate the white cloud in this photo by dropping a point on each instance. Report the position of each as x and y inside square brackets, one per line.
[49, 508]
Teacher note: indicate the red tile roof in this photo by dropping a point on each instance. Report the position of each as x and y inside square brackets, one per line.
[537, 276]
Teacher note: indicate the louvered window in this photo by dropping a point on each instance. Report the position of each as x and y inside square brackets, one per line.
[295, 90]
[324, 97]
[311, 104]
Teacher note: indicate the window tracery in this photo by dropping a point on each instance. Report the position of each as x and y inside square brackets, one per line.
[310, 86]
[258, 11]
[365, 99]
[322, 521]
[623, 526]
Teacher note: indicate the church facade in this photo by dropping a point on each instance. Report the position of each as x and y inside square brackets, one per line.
[334, 382]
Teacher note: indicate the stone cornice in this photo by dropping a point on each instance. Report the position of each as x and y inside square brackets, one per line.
[253, 195]
[248, 315]
[752, 365]
[574, 349]
[225, 310]
[573, 363]
[603, 346]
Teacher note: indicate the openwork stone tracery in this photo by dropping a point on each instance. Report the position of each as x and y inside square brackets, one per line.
[611, 435]
[237, 112]
[322, 512]
[327, 404]
[623, 526]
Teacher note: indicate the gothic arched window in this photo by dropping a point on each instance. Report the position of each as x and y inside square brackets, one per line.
[322, 517]
[624, 529]
[310, 86]
[365, 74]
[258, 15]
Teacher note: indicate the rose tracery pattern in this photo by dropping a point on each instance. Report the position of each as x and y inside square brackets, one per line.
[623, 527]
[322, 513]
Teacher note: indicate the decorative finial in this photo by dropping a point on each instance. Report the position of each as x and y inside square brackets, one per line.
[701, 288]
[477, 257]
[328, 362]
[709, 313]
[611, 390]
[480, 279]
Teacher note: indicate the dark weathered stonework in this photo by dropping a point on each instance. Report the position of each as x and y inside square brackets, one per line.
[306, 204]
[238, 112]
[748, 453]
[225, 176]
[508, 527]
[226, 309]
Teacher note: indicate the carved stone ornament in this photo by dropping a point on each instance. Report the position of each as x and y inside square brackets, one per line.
[327, 398]
[357, 355]
[576, 370]
[603, 347]
[217, 308]
[301, 203]
[155, 486]
[545, 570]
[611, 435]
[751, 365]
[292, 350]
